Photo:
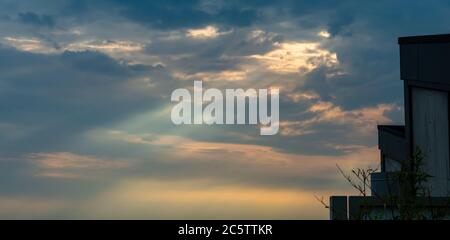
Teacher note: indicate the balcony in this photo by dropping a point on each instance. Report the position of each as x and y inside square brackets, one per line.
[392, 144]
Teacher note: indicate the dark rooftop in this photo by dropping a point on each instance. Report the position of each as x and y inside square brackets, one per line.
[440, 38]
[398, 130]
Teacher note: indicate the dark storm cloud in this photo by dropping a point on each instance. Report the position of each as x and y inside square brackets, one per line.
[37, 20]
[209, 55]
[181, 14]
[59, 96]
[47, 102]
[368, 36]
[195, 13]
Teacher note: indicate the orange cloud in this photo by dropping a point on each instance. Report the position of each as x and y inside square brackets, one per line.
[363, 120]
[264, 159]
[67, 165]
[66, 160]
[295, 57]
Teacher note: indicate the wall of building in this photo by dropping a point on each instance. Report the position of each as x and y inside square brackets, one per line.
[430, 132]
[392, 165]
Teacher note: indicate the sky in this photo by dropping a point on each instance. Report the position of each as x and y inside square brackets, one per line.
[85, 129]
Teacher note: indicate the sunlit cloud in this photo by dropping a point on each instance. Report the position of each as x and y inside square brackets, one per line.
[183, 146]
[180, 149]
[66, 165]
[363, 121]
[347, 148]
[213, 76]
[108, 46]
[207, 32]
[59, 175]
[294, 128]
[117, 49]
[324, 34]
[29, 45]
[259, 36]
[365, 116]
[296, 57]
[297, 97]
[65, 160]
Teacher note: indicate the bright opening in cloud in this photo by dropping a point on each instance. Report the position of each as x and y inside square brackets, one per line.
[205, 33]
[324, 34]
[295, 57]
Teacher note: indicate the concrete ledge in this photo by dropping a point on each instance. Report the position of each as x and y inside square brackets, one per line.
[338, 208]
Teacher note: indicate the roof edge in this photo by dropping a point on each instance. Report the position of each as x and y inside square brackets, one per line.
[438, 38]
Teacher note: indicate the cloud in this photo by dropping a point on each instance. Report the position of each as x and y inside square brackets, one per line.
[295, 57]
[192, 13]
[61, 95]
[66, 160]
[205, 33]
[121, 50]
[65, 165]
[246, 163]
[298, 97]
[59, 175]
[68, 74]
[37, 20]
[324, 34]
[362, 121]
[108, 46]
[227, 75]
[29, 44]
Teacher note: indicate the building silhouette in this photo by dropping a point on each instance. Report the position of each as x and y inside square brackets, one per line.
[425, 71]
